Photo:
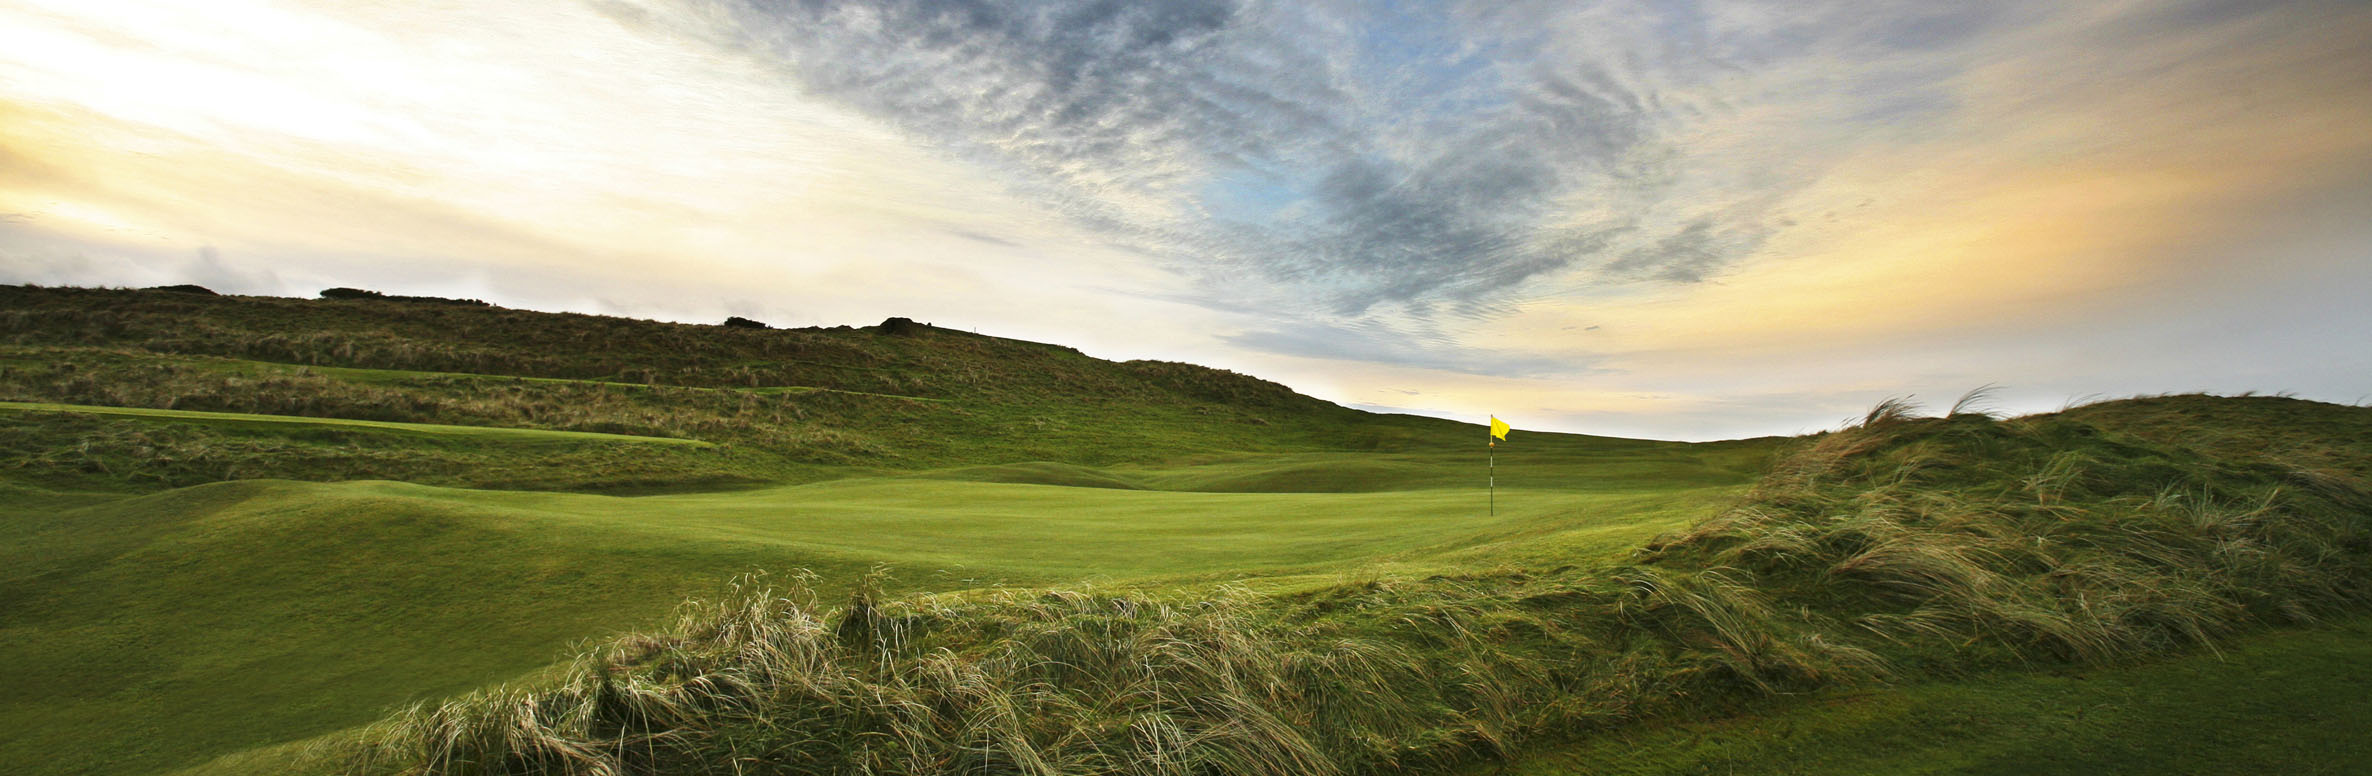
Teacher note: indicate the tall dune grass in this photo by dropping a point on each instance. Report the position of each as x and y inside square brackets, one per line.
[2047, 537]
[1360, 678]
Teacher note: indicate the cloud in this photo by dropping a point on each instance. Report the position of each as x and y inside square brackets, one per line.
[1692, 254]
[1389, 161]
[1378, 344]
[979, 237]
[1756, 199]
[1361, 156]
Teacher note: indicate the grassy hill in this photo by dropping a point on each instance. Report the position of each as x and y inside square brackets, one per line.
[785, 405]
[235, 526]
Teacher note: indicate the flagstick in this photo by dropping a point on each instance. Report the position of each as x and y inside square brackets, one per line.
[1492, 460]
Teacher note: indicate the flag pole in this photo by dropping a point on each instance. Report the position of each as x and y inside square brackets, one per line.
[1491, 460]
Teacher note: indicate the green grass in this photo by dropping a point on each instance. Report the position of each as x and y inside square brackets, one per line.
[46, 455]
[275, 521]
[785, 400]
[2286, 702]
[1905, 547]
[243, 614]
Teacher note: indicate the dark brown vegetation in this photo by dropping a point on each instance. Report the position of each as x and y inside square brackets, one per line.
[923, 361]
[365, 294]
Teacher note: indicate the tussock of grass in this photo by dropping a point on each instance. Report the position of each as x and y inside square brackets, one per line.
[2049, 537]
[1350, 679]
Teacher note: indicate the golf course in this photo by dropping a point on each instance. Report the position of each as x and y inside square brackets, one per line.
[248, 535]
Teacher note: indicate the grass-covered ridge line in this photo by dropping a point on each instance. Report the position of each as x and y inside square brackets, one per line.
[789, 403]
[493, 432]
[903, 360]
[1904, 547]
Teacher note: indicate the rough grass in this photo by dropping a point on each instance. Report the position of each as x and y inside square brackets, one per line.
[102, 451]
[1353, 679]
[796, 424]
[913, 361]
[2053, 537]
[496, 433]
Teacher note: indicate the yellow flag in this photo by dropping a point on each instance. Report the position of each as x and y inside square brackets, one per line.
[1498, 428]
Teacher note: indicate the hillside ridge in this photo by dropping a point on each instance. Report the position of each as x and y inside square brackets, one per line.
[405, 333]
[785, 404]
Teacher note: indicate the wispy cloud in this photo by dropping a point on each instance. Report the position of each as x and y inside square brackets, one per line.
[1354, 155]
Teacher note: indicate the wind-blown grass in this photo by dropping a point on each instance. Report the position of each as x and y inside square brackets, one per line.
[2047, 537]
[1360, 678]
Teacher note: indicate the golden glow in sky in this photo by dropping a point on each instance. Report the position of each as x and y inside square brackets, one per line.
[1682, 220]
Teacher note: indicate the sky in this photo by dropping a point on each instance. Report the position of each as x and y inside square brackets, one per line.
[1662, 218]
